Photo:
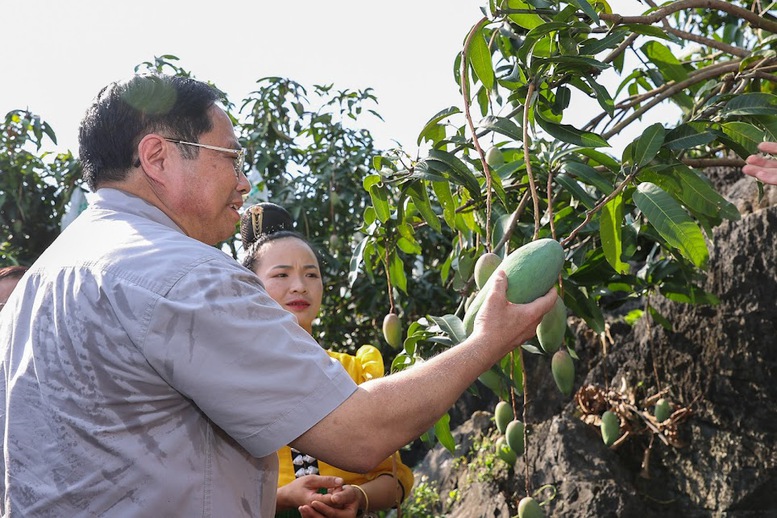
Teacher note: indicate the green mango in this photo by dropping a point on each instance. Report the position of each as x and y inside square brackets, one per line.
[662, 411]
[392, 330]
[611, 427]
[563, 369]
[514, 436]
[531, 271]
[528, 507]
[503, 414]
[553, 327]
[494, 157]
[504, 452]
[484, 267]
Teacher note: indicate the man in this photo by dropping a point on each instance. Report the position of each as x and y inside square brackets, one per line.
[133, 380]
[9, 278]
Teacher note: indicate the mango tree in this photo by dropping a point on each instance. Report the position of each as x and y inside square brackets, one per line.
[513, 164]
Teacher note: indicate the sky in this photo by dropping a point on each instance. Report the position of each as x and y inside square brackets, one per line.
[57, 55]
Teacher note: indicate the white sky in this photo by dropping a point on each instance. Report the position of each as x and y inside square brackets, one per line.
[56, 55]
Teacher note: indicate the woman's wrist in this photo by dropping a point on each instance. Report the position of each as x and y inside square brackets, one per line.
[364, 500]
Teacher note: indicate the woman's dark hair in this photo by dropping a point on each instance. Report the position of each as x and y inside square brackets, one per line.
[124, 112]
[263, 218]
[263, 223]
[12, 272]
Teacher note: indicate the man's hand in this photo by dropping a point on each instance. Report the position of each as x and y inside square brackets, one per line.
[501, 321]
[761, 167]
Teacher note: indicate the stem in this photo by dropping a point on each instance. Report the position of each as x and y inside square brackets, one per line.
[471, 124]
[527, 160]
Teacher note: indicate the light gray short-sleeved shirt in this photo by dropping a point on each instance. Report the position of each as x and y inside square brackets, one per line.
[147, 374]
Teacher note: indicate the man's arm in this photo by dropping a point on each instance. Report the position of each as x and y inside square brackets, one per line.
[385, 414]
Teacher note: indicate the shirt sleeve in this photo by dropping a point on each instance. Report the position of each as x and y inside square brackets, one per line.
[221, 341]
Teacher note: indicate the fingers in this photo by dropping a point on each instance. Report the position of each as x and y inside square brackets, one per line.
[761, 167]
[768, 147]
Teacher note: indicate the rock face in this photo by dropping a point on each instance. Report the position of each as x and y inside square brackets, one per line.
[718, 366]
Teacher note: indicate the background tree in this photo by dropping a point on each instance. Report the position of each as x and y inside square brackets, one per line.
[634, 225]
[35, 187]
[308, 153]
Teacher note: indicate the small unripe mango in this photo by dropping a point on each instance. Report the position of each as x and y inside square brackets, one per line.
[563, 371]
[392, 330]
[504, 452]
[528, 507]
[662, 410]
[503, 414]
[494, 157]
[484, 267]
[611, 427]
[553, 327]
[514, 436]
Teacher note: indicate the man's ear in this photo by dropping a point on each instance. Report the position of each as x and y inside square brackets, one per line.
[154, 156]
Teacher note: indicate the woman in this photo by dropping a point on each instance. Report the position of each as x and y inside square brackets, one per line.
[289, 270]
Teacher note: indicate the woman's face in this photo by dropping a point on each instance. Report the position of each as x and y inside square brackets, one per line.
[290, 273]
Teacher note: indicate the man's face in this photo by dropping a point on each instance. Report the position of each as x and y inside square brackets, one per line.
[205, 192]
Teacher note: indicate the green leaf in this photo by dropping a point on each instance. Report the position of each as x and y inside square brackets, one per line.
[589, 175]
[745, 135]
[693, 189]
[527, 21]
[610, 233]
[584, 6]
[571, 135]
[417, 191]
[442, 430]
[459, 172]
[444, 196]
[647, 145]
[502, 125]
[397, 272]
[432, 123]
[583, 305]
[356, 262]
[452, 326]
[379, 196]
[672, 222]
[688, 136]
[750, 104]
[602, 95]
[576, 190]
[665, 60]
[480, 59]
[593, 47]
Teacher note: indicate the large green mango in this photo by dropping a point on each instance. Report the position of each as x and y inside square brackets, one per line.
[531, 271]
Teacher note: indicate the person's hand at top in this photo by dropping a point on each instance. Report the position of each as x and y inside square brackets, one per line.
[761, 167]
[500, 321]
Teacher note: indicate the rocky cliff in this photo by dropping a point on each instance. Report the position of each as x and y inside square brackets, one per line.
[716, 455]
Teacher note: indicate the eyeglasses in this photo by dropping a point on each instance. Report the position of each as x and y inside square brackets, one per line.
[240, 154]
